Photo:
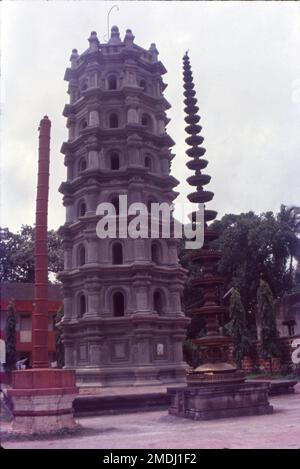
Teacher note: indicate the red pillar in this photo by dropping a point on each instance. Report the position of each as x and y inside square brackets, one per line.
[42, 397]
[40, 312]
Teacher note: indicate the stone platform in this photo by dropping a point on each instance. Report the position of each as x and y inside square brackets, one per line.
[208, 402]
[95, 400]
[278, 386]
[123, 399]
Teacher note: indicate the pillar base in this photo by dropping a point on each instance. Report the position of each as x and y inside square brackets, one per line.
[42, 401]
[219, 401]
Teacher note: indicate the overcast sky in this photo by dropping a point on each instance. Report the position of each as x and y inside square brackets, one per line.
[246, 64]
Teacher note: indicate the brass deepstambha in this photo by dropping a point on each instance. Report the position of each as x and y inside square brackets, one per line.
[213, 348]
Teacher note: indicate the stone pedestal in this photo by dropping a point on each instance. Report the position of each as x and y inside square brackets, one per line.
[42, 400]
[219, 401]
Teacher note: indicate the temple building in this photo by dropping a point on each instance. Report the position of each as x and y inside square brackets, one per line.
[22, 295]
[287, 311]
[123, 321]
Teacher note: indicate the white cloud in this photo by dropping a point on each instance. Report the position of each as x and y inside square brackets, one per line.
[245, 58]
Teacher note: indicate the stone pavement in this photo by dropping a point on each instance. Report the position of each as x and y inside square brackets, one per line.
[152, 430]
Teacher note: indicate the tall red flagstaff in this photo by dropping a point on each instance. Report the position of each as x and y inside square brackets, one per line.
[40, 313]
[42, 397]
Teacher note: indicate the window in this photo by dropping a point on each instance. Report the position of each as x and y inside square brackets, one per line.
[82, 305]
[291, 330]
[82, 209]
[83, 124]
[118, 304]
[158, 302]
[82, 164]
[155, 253]
[290, 326]
[25, 322]
[117, 253]
[146, 121]
[112, 82]
[113, 121]
[25, 328]
[148, 163]
[81, 255]
[84, 85]
[143, 85]
[114, 162]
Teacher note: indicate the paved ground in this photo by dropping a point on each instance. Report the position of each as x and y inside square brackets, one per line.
[160, 430]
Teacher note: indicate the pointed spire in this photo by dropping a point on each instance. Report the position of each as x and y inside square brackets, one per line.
[195, 140]
[74, 58]
[94, 42]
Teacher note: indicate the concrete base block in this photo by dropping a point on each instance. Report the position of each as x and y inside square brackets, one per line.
[41, 401]
[146, 375]
[33, 416]
[219, 401]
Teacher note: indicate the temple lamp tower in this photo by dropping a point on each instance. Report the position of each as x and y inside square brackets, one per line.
[42, 397]
[216, 388]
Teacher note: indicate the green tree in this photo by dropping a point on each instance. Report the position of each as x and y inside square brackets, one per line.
[17, 254]
[253, 245]
[266, 318]
[60, 350]
[290, 217]
[10, 337]
[237, 327]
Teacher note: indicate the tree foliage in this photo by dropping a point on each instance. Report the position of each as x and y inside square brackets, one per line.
[17, 254]
[238, 328]
[10, 337]
[266, 318]
[290, 217]
[253, 245]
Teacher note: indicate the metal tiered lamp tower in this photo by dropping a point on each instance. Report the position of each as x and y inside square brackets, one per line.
[214, 346]
[216, 388]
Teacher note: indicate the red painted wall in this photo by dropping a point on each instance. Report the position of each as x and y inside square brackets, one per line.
[26, 306]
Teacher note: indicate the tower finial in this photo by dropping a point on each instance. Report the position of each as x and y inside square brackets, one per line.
[74, 58]
[129, 38]
[153, 51]
[94, 41]
[114, 36]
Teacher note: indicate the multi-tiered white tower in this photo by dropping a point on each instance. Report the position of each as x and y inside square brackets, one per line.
[123, 322]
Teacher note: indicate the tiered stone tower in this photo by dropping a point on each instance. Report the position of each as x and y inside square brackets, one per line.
[123, 322]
